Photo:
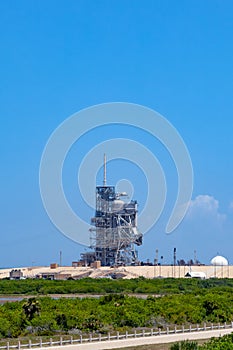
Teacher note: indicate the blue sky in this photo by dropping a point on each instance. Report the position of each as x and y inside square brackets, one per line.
[58, 57]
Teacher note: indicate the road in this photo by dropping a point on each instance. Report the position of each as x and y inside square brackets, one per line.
[162, 339]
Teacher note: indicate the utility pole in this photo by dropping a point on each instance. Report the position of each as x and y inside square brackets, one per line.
[156, 261]
[60, 258]
[161, 262]
[105, 171]
[174, 261]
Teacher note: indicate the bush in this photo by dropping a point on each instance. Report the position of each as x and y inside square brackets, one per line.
[185, 345]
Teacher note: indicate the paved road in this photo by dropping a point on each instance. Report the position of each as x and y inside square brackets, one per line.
[162, 339]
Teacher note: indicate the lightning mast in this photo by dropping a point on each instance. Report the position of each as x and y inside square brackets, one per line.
[105, 171]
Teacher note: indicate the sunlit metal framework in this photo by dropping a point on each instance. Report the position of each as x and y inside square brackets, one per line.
[115, 232]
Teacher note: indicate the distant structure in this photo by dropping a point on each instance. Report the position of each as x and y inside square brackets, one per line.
[115, 232]
[16, 274]
[197, 274]
[174, 257]
[219, 261]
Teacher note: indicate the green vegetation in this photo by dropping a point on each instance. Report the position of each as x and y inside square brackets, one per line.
[223, 343]
[103, 286]
[185, 345]
[31, 308]
[47, 316]
[176, 302]
[160, 346]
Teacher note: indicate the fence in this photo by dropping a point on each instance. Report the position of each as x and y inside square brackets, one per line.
[93, 338]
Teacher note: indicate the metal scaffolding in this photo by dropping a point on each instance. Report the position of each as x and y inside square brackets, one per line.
[115, 232]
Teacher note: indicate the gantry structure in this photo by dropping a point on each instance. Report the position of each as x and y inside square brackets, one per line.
[115, 233]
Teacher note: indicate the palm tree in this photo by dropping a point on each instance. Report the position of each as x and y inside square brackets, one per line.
[31, 308]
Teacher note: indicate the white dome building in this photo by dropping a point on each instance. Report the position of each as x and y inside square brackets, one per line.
[219, 261]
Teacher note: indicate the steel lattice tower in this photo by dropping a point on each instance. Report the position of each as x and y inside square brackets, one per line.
[115, 232]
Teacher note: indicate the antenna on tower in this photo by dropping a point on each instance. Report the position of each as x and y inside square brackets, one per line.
[105, 171]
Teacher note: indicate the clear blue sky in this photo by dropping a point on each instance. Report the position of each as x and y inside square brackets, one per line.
[58, 57]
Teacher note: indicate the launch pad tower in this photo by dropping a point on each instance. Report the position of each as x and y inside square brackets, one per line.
[115, 231]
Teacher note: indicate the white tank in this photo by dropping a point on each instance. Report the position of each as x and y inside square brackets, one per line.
[219, 261]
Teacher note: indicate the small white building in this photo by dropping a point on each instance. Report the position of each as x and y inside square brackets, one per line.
[197, 274]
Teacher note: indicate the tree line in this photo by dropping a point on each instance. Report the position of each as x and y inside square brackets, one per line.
[103, 286]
